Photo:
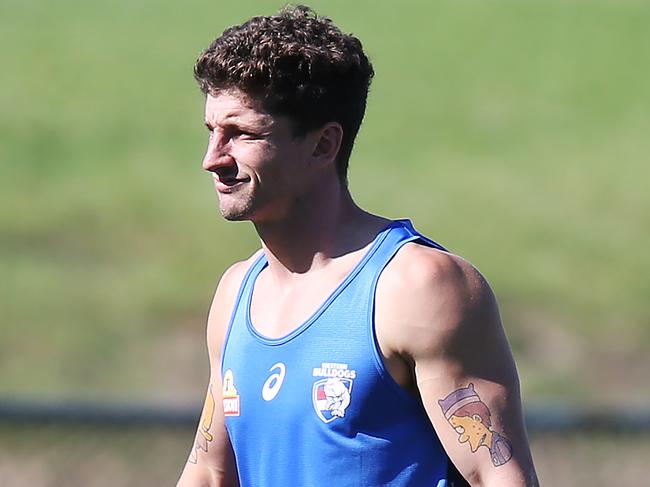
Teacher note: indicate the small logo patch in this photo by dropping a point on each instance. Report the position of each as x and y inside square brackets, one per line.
[274, 382]
[332, 394]
[230, 395]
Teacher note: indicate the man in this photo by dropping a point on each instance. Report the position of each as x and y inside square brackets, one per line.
[350, 350]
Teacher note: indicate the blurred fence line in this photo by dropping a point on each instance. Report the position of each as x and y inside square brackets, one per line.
[546, 419]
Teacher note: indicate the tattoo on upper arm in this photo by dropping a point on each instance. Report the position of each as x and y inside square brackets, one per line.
[203, 436]
[470, 417]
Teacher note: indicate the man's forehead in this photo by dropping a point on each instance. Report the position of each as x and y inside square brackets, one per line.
[234, 105]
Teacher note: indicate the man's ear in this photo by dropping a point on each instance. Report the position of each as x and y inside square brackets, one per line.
[328, 143]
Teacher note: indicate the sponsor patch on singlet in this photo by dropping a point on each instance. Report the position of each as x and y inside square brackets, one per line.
[230, 395]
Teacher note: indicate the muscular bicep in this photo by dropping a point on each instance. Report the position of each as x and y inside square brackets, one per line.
[438, 314]
[469, 386]
[211, 461]
[479, 423]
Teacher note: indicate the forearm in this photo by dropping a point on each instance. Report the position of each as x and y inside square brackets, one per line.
[514, 477]
[194, 478]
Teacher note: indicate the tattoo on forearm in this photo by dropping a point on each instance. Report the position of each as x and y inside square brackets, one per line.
[203, 436]
[470, 417]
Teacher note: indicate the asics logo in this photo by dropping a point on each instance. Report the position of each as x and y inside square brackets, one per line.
[274, 382]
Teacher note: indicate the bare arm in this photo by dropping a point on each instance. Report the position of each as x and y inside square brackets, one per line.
[211, 462]
[439, 328]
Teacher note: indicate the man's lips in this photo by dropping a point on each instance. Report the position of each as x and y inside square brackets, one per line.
[227, 184]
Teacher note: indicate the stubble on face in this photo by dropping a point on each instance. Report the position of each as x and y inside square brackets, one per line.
[232, 117]
[236, 207]
[255, 159]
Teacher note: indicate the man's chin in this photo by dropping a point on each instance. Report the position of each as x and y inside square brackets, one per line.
[235, 214]
[234, 217]
[235, 209]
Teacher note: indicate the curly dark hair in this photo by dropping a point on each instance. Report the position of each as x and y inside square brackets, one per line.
[296, 64]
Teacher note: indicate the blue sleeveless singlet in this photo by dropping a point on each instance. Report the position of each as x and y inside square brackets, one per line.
[317, 407]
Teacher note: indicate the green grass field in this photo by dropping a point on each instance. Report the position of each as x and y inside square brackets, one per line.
[514, 132]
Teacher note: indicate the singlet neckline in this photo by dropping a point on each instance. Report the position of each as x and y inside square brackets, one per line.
[261, 263]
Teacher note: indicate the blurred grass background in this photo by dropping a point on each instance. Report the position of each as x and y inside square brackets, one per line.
[514, 132]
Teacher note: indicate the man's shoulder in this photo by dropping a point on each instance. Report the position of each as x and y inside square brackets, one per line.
[427, 296]
[229, 284]
[224, 299]
[420, 267]
[234, 274]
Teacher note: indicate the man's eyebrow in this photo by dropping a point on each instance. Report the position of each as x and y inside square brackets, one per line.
[240, 122]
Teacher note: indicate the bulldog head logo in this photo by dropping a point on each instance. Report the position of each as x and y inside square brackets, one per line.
[331, 398]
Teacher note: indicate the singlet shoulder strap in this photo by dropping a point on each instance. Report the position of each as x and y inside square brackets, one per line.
[408, 227]
[398, 233]
[248, 281]
[239, 306]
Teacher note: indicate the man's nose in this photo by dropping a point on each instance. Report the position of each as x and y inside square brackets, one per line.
[217, 153]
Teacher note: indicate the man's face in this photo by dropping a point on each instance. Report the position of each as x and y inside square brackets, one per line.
[259, 168]
[471, 429]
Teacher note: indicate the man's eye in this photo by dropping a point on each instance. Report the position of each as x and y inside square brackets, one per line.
[246, 135]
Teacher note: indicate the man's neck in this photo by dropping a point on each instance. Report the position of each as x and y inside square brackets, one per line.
[315, 233]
